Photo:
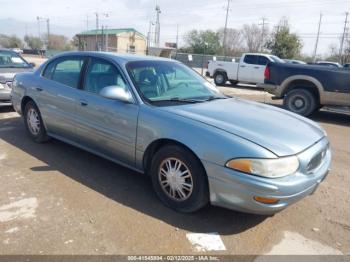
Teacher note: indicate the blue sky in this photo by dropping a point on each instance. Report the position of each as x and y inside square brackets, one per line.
[188, 14]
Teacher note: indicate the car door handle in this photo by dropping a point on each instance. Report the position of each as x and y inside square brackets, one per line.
[242, 65]
[39, 89]
[83, 103]
[256, 67]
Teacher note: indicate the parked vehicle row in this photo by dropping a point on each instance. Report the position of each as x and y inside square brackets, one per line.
[250, 69]
[160, 118]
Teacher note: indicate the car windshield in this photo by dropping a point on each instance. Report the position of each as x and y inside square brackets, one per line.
[170, 81]
[276, 59]
[12, 60]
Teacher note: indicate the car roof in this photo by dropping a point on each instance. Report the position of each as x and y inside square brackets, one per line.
[6, 49]
[122, 58]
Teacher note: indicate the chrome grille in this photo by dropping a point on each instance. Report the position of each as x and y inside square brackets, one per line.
[317, 160]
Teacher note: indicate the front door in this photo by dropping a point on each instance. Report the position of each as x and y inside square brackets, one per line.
[104, 125]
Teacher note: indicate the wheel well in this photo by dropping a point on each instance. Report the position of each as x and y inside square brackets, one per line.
[303, 84]
[25, 100]
[158, 144]
[220, 71]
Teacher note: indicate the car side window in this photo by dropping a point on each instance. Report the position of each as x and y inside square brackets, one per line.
[262, 60]
[100, 74]
[251, 59]
[65, 71]
[49, 70]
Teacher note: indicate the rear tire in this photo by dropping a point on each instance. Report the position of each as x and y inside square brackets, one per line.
[34, 123]
[179, 179]
[300, 101]
[220, 78]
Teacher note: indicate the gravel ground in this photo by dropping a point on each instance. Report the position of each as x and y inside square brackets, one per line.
[57, 199]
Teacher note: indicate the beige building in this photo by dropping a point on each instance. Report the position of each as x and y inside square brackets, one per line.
[124, 40]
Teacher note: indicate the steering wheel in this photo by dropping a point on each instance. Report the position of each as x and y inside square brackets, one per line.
[180, 84]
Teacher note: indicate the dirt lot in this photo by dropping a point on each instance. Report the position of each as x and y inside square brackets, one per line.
[57, 199]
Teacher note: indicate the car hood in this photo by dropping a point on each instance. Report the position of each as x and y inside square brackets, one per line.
[281, 132]
[7, 74]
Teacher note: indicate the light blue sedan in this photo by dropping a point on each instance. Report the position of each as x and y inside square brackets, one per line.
[159, 117]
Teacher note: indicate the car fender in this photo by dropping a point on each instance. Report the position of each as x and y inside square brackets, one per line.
[208, 143]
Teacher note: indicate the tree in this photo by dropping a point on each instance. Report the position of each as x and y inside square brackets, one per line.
[234, 45]
[199, 42]
[59, 42]
[252, 35]
[33, 42]
[283, 43]
[10, 41]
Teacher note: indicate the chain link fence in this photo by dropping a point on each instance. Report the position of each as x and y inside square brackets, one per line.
[200, 61]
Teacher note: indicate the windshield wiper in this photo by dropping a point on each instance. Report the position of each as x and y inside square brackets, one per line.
[211, 98]
[180, 100]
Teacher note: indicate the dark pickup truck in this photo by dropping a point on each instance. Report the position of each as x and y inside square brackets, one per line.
[306, 88]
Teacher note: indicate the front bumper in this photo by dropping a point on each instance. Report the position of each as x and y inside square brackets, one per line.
[235, 190]
[5, 93]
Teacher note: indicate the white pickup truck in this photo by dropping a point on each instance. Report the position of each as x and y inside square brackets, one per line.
[250, 69]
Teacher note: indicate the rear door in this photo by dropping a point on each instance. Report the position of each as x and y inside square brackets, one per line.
[104, 125]
[246, 68]
[259, 69]
[58, 97]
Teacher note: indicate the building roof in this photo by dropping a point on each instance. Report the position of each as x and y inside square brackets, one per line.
[116, 31]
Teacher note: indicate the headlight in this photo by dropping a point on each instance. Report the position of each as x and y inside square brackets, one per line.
[1, 86]
[271, 168]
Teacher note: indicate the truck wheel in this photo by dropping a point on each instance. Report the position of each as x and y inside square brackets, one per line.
[300, 101]
[220, 78]
[233, 82]
[179, 179]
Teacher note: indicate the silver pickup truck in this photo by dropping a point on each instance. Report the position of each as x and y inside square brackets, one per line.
[11, 63]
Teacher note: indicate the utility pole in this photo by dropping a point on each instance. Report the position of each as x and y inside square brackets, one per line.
[318, 37]
[96, 48]
[87, 22]
[177, 40]
[47, 26]
[39, 33]
[157, 30]
[149, 36]
[263, 23]
[225, 28]
[98, 26]
[343, 37]
[106, 38]
[177, 36]
[48, 32]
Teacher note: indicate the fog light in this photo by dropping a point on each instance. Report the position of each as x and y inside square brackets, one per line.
[266, 200]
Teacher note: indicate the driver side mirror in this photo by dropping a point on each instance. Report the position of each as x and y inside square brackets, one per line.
[117, 93]
[32, 65]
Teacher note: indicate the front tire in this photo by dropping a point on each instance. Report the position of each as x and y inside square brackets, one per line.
[300, 101]
[220, 78]
[179, 179]
[34, 123]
